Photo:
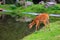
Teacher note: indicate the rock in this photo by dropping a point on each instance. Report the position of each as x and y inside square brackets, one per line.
[49, 4]
[25, 3]
[28, 3]
[42, 2]
[22, 2]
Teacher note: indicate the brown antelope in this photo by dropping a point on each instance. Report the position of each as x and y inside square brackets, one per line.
[41, 18]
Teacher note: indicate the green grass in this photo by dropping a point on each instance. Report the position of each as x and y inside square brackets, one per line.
[53, 34]
[33, 8]
[18, 11]
[40, 8]
[8, 7]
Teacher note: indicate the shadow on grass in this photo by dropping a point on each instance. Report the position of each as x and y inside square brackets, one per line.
[12, 30]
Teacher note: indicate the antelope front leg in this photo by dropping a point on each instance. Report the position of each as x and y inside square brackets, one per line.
[45, 23]
[37, 25]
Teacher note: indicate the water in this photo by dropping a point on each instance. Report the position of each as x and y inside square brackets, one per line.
[12, 30]
[56, 15]
[32, 13]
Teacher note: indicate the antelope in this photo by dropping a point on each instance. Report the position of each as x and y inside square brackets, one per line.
[41, 18]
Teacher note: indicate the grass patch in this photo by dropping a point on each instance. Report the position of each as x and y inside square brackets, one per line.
[53, 34]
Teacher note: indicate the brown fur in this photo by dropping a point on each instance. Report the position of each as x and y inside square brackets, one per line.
[42, 18]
